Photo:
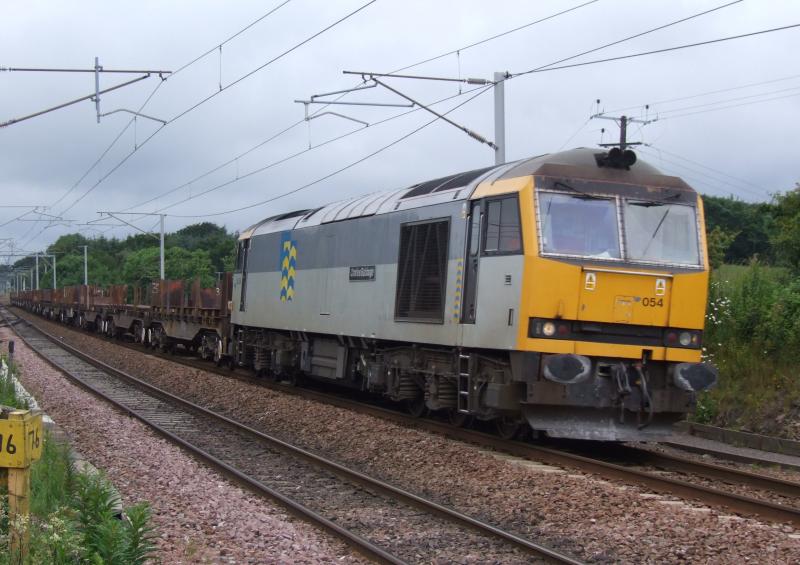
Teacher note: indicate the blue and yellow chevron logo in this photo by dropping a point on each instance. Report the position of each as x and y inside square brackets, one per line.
[288, 265]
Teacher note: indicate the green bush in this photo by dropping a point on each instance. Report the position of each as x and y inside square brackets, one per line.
[752, 336]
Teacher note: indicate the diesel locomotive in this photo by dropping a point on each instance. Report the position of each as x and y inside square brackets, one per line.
[564, 293]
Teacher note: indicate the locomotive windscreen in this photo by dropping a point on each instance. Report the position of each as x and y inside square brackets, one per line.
[582, 226]
[661, 233]
[586, 225]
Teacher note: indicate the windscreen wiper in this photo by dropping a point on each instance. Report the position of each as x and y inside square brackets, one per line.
[583, 195]
[646, 204]
[658, 227]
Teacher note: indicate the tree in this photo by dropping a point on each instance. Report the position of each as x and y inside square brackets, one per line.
[786, 236]
[142, 267]
[751, 222]
[719, 241]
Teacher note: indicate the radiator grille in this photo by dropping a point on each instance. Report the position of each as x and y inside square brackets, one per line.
[422, 271]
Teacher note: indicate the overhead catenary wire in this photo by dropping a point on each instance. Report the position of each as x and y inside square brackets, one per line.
[425, 125]
[702, 94]
[158, 86]
[116, 139]
[217, 93]
[617, 42]
[745, 184]
[728, 100]
[299, 122]
[676, 22]
[231, 37]
[216, 168]
[496, 36]
[335, 172]
[273, 60]
[654, 51]
[717, 108]
[307, 150]
[720, 185]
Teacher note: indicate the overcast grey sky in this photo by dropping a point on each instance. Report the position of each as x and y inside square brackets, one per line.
[742, 141]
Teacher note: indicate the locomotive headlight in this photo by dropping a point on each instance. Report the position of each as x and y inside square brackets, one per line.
[549, 329]
[685, 339]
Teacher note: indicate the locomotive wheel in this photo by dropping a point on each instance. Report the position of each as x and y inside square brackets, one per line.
[217, 356]
[458, 419]
[507, 428]
[416, 406]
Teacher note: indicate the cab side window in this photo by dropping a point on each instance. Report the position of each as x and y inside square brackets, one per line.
[503, 234]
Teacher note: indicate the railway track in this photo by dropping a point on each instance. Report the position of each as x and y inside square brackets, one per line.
[685, 477]
[379, 520]
[727, 455]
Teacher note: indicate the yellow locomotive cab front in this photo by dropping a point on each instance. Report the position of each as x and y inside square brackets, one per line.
[614, 293]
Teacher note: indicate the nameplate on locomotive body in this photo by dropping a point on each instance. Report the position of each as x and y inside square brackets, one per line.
[362, 273]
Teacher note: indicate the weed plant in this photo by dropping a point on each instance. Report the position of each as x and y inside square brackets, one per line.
[8, 394]
[753, 337]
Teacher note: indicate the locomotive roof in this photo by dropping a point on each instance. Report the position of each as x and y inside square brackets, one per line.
[580, 164]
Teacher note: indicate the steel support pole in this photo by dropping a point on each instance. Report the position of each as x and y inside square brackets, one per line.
[97, 69]
[500, 118]
[161, 241]
[85, 265]
[623, 133]
[37, 272]
[54, 271]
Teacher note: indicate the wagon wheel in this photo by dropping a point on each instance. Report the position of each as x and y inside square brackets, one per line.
[507, 428]
[137, 332]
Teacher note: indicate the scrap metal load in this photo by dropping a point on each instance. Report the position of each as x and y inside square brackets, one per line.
[163, 314]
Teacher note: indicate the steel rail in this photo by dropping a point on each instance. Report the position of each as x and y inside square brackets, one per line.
[708, 495]
[716, 497]
[360, 543]
[714, 471]
[737, 457]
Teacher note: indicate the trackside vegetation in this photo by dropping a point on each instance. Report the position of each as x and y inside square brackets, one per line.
[74, 516]
[753, 321]
[200, 250]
